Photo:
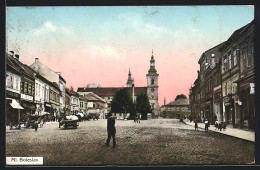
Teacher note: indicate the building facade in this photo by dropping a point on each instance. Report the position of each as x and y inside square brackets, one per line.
[12, 82]
[52, 76]
[178, 109]
[245, 105]
[229, 84]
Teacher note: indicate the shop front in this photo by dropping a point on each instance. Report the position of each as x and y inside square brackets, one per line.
[11, 113]
[28, 105]
[229, 109]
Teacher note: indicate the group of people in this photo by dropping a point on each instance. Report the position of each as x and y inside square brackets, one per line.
[218, 125]
[137, 118]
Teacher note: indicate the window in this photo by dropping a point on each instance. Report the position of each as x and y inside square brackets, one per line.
[51, 95]
[235, 56]
[244, 59]
[29, 89]
[152, 81]
[32, 89]
[229, 61]
[25, 87]
[21, 88]
[36, 91]
[225, 87]
[152, 105]
[10, 81]
[81, 104]
[16, 83]
[229, 87]
[250, 56]
[225, 63]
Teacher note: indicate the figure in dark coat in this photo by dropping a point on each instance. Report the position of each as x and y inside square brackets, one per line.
[111, 130]
[196, 125]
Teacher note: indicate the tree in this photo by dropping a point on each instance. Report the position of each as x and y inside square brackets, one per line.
[181, 96]
[143, 105]
[121, 101]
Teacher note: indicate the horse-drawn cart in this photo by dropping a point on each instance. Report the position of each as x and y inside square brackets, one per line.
[69, 121]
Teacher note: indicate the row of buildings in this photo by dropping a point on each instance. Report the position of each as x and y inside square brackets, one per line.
[224, 87]
[37, 89]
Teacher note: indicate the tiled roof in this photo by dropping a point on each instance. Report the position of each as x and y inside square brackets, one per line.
[90, 98]
[111, 91]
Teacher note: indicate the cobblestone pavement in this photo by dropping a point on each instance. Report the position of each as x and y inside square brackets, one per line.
[155, 141]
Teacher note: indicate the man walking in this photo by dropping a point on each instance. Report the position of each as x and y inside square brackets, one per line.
[111, 130]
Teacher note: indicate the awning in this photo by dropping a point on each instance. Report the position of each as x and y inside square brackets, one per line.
[15, 104]
[81, 114]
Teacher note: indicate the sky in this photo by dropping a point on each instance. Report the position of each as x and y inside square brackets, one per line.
[99, 44]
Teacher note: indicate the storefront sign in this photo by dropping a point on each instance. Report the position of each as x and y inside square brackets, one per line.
[48, 105]
[252, 88]
[12, 94]
[227, 101]
[90, 105]
[26, 97]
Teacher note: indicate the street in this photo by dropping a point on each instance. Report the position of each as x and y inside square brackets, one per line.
[155, 141]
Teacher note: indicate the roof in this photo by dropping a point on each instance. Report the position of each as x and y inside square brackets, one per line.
[237, 34]
[179, 102]
[73, 93]
[89, 97]
[18, 66]
[111, 91]
[209, 50]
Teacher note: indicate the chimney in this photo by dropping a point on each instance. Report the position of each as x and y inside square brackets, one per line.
[164, 101]
[36, 60]
[17, 56]
[12, 53]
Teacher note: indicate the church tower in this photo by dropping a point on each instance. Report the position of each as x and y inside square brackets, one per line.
[152, 84]
[130, 81]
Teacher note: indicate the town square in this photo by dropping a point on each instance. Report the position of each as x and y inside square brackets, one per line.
[130, 85]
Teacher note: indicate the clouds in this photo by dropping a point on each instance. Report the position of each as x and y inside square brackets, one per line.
[49, 27]
[106, 52]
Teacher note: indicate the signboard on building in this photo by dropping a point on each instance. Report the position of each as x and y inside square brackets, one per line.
[252, 88]
[227, 101]
[90, 105]
[26, 97]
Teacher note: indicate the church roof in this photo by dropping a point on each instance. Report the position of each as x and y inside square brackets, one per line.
[152, 70]
[111, 91]
[152, 59]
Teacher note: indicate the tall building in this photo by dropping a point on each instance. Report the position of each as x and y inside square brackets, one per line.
[152, 84]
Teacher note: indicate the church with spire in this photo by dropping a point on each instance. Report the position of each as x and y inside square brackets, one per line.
[152, 84]
[107, 93]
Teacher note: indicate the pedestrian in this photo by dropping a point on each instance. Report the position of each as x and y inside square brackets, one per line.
[41, 123]
[216, 124]
[196, 124]
[60, 121]
[36, 125]
[206, 124]
[111, 130]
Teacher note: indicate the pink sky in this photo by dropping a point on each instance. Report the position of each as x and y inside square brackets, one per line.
[99, 44]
